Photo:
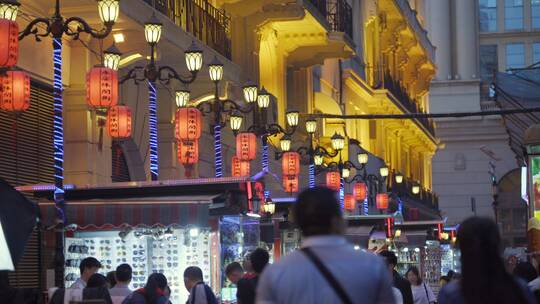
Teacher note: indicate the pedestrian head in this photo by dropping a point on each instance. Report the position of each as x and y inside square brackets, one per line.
[317, 212]
[155, 287]
[192, 276]
[96, 280]
[234, 272]
[88, 267]
[111, 279]
[525, 271]
[443, 281]
[413, 275]
[259, 259]
[484, 277]
[124, 273]
[390, 258]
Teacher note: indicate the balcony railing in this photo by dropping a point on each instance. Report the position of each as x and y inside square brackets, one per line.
[425, 197]
[199, 18]
[400, 93]
[338, 13]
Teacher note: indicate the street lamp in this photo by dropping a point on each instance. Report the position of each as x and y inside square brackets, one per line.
[338, 142]
[57, 26]
[152, 73]
[285, 143]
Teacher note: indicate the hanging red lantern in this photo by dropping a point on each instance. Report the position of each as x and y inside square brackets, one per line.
[9, 47]
[290, 164]
[349, 202]
[188, 124]
[239, 167]
[382, 201]
[119, 122]
[188, 152]
[246, 146]
[15, 94]
[333, 180]
[101, 87]
[290, 184]
[360, 191]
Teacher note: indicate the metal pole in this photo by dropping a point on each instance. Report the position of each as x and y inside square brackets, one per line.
[218, 160]
[58, 140]
[152, 126]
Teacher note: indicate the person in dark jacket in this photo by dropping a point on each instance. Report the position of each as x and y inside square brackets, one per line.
[399, 282]
[152, 293]
[247, 286]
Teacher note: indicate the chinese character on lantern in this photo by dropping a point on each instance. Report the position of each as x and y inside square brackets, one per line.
[15, 93]
[239, 167]
[188, 124]
[290, 164]
[9, 52]
[246, 146]
[382, 201]
[333, 180]
[349, 202]
[188, 152]
[101, 87]
[360, 191]
[290, 184]
[119, 122]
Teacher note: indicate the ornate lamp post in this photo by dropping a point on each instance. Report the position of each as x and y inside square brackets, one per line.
[57, 26]
[152, 73]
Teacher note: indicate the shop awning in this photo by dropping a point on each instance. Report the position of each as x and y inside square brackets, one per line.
[359, 235]
[412, 238]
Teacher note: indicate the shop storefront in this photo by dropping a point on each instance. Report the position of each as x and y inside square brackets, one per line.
[160, 227]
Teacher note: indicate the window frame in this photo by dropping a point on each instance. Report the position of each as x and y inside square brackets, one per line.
[506, 19]
[490, 11]
[508, 67]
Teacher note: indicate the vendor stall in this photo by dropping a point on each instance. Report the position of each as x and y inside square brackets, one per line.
[160, 227]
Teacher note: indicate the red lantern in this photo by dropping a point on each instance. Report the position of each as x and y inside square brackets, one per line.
[290, 184]
[9, 47]
[188, 124]
[15, 94]
[101, 87]
[188, 152]
[246, 146]
[382, 201]
[360, 191]
[349, 202]
[333, 180]
[240, 168]
[119, 122]
[290, 164]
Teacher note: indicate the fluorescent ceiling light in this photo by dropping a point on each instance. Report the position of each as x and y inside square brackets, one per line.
[119, 38]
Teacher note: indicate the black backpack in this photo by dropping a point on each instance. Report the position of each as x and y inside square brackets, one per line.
[210, 297]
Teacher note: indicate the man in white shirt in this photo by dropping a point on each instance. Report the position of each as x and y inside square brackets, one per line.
[87, 267]
[327, 269]
[121, 290]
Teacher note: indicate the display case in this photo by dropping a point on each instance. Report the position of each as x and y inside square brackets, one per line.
[148, 250]
[290, 241]
[431, 265]
[450, 259]
[408, 257]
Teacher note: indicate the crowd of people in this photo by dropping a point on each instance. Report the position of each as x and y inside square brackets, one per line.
[327, 269]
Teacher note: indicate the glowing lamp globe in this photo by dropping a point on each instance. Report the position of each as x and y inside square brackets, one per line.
[108, 10]
[111, 58]
[236, 122]
[9, 9]
[215, 69]
[290, 164]
[333, 180]
[194, 58]
[15, 93]
[263, 99]
[349, 202]
[311, 126]
[182, 98]
[246, 146]
[250, 92]
[416, 189]
[384, 171]
[152, 30]
[338, 142]
[318, 159]
[285, 143]
[363, 158]
[360, 191]
[399, 178]
[292, 118]
[102, 87]
[382, 201]
[9, 47]
[346, 172]
[119, 122]
[188, 124]
[239, 168]
[188, 152]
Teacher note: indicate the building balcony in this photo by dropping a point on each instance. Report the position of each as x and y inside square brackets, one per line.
[338, 14]
[199, 18]
[405, 101]
[424, 199]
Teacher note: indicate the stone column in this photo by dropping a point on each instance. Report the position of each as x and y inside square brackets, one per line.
[440, 35]
[466, 39]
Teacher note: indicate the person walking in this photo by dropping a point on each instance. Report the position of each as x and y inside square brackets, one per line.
[120, 291]
[399, 282]
[422, 293]
[87, 268]
[327, 269]
[152, 293]
[199, 292]
[484, 279]
[248, 286]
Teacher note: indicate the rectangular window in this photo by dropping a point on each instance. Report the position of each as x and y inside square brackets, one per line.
[488, 15]
[536, 53]
[513, 14]
[488, 61]
[515, 55]
[535, 14]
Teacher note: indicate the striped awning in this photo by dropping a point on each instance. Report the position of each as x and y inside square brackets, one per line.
[97, 216]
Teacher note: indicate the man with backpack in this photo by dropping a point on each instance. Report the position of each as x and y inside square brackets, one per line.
[199, 292]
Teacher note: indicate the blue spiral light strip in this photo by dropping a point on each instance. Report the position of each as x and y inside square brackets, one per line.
[265, 161]
[400, 205]
[152, 127]
[311, 175]
[218, 161]
[342, 193]
[365, 206]
[58, 129]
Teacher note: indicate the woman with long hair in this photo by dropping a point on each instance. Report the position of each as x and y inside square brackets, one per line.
[152, 293]
[484, 278]
[422, 293]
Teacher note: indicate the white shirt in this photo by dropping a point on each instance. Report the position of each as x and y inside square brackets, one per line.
[79, 284]
[398, 297]
[119, 292]
[422, 294]
[295, 279]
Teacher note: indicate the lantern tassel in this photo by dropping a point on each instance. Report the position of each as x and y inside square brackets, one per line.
[101, 124]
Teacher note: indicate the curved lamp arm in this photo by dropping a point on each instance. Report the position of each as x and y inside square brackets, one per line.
[171, 73]
[33, 29]
[83, 27]
[132, 74]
